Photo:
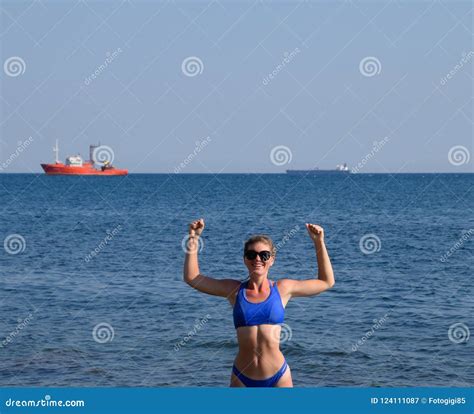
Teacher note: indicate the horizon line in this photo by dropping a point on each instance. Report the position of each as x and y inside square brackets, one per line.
[273, 173]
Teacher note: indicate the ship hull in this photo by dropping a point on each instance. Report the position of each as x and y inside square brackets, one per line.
[86, 169]
[317, 172]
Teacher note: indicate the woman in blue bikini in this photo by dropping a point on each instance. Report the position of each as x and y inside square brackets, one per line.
[259, 304]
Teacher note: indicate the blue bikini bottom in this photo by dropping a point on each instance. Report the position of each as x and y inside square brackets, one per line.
[269, 382]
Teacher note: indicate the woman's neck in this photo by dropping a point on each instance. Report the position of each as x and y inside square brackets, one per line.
[258, 283]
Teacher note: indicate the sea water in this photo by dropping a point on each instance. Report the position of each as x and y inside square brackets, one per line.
[91, 289]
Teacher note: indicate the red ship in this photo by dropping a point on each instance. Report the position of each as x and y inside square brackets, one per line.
[75, 165]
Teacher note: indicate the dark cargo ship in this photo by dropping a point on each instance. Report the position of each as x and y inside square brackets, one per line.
[340, 169]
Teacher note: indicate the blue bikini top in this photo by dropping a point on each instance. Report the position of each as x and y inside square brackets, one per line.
[270, 311]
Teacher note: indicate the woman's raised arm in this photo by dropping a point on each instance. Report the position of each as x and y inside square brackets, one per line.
[325, 280]
[191, 274]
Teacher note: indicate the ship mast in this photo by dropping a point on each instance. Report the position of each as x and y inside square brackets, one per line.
[56, 151]
[92, 148]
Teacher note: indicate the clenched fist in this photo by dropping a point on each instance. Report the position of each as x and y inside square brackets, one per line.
[196, 228]
[315, 232]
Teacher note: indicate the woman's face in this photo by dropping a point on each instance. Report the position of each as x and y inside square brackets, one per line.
[258, 267]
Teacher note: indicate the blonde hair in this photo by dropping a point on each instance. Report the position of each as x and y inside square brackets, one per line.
[260, 238]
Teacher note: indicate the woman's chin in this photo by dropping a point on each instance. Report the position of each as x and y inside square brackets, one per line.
[258, 271]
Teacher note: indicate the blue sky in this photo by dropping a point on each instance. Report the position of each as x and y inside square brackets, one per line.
[269, 74]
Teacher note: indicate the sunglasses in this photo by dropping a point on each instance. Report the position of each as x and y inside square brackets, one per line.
[252, 255]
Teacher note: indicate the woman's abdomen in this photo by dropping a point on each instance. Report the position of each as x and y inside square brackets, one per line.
[259, 355]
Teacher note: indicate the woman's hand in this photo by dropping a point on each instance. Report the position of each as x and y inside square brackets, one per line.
[196, 228]
[315, 232]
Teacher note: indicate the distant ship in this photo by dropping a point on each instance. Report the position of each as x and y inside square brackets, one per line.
[340, 169]
[75, 165]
